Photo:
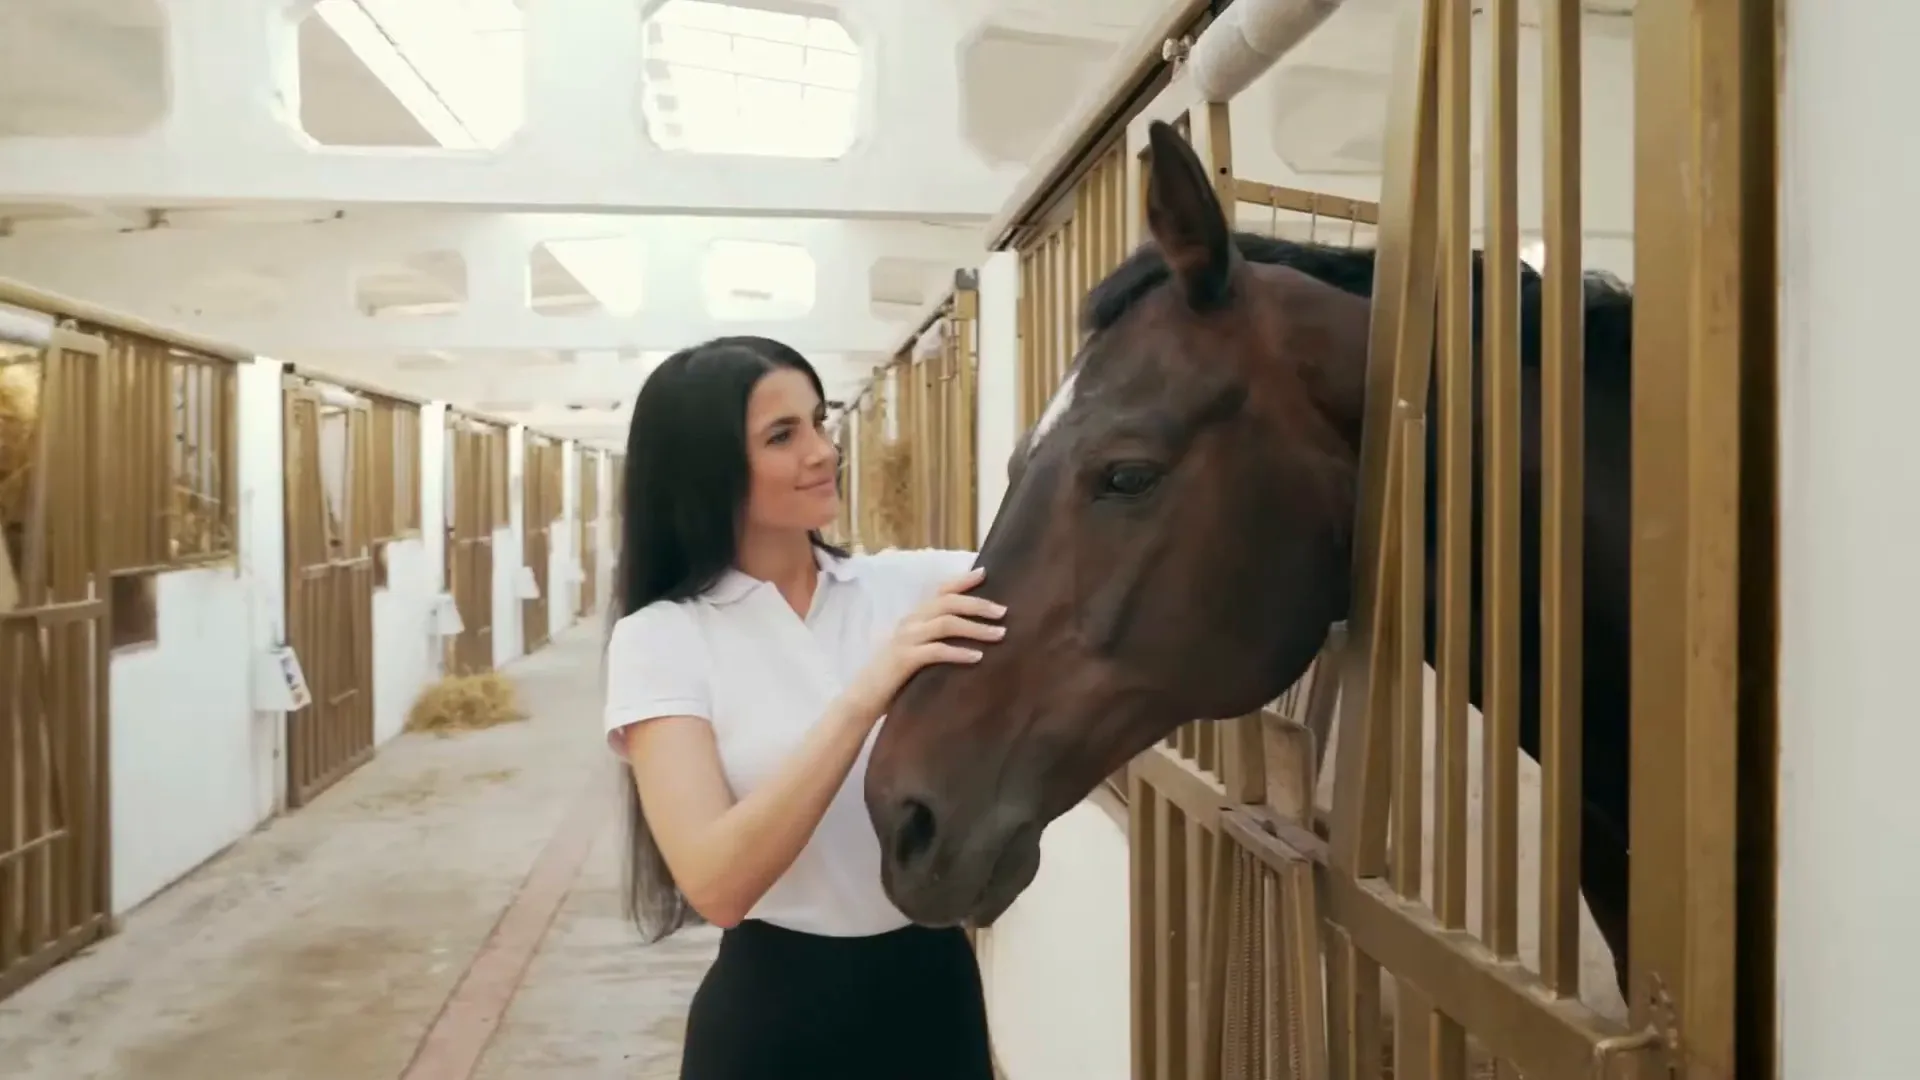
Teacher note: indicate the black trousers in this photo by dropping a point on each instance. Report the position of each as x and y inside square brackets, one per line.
[782, 1005]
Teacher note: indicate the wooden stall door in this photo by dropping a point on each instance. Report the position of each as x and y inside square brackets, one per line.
[537, 538]
[1268, 947]
[470, 549]
[54, 648]
[960, 397]
[587, 530]
[329, 590]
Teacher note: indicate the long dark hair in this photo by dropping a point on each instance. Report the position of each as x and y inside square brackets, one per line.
[686, 484]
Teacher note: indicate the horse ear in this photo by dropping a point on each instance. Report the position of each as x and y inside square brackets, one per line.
[1184, 215]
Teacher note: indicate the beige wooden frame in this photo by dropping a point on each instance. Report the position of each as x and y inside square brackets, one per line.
[394, 469]
[541, 484]
[330, 583]
[55, 852]
[1238, 891]
[920, 412]
[588, 464]
[476, 452]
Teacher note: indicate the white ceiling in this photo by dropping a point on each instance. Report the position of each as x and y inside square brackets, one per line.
[98, 68]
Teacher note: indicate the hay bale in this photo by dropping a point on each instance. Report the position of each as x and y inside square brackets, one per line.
[19, 430]
[466, 703]
[19, 427]
[195, 523]
[9, 584]
[893, 503]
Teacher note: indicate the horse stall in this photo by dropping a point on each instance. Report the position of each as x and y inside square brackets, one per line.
[513, 580]
[540, 518]
[330, 582]
[564, 571]
[587, 528]
[140, 502]
[606, 527]
[616, 488]
[1415, 906]
[476, 502]
[612, 518]
[55, 646]
[406, 638]
[843, 428]
[870, 517]
[912, 432]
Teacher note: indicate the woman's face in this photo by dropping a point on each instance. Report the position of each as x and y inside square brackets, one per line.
[792, 464]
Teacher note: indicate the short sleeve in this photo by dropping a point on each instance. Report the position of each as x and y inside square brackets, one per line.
[656, 666]
[920, 572]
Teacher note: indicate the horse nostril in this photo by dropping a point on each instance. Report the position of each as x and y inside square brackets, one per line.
[913, 835]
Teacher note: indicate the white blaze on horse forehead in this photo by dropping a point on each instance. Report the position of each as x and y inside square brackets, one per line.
[1057, 408]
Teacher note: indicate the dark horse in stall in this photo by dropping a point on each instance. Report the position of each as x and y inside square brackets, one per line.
[1176, 541]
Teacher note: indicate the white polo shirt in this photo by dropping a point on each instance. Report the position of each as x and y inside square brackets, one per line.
[740, 657]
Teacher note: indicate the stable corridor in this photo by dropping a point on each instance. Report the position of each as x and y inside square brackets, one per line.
[450, 910]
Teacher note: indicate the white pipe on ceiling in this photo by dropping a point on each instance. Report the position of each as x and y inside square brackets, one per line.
[22, 327]
[1247, 40]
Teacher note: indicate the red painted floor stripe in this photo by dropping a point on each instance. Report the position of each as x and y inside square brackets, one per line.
[452, 1046]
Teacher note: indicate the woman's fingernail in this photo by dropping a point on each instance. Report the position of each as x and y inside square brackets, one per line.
[999, 610]
[999, 631]
[974, 655]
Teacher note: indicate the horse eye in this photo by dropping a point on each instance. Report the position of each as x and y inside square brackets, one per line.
[1129, 479]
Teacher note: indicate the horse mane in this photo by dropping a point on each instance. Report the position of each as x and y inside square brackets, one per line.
[1609, 301]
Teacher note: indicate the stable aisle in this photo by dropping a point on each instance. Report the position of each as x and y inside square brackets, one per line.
[448, 911]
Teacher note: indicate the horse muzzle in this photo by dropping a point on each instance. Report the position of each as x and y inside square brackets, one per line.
[948, 869]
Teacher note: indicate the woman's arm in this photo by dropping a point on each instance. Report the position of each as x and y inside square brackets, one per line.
[725, 855]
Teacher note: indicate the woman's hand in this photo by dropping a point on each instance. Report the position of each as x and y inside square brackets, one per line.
[921, 639]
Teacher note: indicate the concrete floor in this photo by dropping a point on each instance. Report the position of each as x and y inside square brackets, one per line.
[448, 912]
[331, 943]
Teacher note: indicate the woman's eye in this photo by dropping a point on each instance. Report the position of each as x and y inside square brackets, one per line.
[1129, 479]
[779, 437]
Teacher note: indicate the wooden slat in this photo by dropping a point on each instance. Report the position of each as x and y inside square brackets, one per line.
[55, 870]
[330, 581]
[470, 531]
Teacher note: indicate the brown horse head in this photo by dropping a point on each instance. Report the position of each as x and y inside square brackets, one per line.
[1173, 545]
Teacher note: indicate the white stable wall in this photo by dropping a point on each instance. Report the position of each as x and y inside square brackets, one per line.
[609, 539]
[261, 421]
[433, 520]
[563, 562]
[181, 757]
[1055, 965]
[406, 651]
[192, 767]
[1849, 526]
[405, 657]
[508, 642]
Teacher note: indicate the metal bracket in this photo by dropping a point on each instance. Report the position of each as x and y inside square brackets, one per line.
[1662, 1033]
[1175, 51]
[1608, 1051]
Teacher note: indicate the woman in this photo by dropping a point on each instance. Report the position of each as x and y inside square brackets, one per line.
[746, 675]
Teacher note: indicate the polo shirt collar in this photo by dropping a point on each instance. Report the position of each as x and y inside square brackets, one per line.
[736, 585]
